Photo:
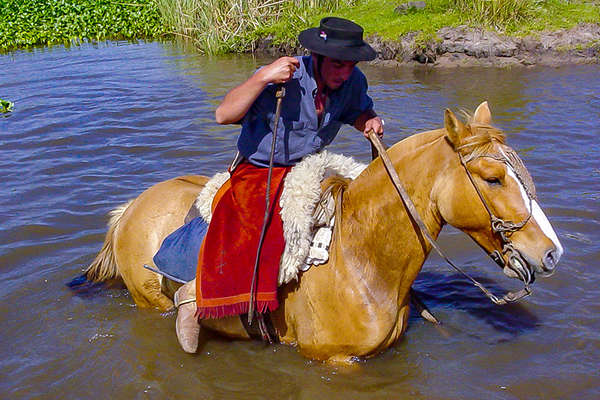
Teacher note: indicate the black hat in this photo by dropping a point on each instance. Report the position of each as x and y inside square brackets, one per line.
[337, 38]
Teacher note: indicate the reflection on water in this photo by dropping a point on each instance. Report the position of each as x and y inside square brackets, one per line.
[95, 125]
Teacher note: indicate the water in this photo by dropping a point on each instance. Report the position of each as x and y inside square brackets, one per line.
[95, 125]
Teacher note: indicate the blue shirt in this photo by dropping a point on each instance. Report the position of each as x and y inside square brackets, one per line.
[298, 132]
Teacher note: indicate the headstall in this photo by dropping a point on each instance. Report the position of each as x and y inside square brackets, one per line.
[503, 228]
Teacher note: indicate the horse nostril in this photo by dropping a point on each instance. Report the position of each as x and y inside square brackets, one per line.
[550, 260]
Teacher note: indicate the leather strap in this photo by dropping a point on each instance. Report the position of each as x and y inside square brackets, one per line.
[263, 330]
[414, 215]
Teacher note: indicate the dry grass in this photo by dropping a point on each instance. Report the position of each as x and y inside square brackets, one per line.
[218, 26]
[497, 13]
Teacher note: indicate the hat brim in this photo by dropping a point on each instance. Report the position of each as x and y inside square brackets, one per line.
[310, 39]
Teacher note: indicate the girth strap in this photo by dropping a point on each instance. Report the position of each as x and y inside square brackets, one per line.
[263, 330]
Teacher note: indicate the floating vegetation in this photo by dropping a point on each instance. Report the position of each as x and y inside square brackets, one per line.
[25, 23]
[222, 26]
[6, 106]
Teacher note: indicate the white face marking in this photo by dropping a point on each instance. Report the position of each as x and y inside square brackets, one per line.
[545, 226]
[512, 174]
[536, 212]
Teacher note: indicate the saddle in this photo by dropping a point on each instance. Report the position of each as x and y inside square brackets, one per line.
[304, 208]
[306, 214]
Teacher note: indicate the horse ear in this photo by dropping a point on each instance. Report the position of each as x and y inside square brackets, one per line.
[455, 130]
[483, 115]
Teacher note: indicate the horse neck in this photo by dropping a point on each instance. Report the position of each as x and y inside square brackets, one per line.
[385, 248]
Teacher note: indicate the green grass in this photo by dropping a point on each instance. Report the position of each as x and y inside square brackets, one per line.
[497, 13]
[378, 17]
[220, 26]
[26, 23]
[557, 14]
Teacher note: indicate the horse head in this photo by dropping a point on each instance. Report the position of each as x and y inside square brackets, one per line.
[488, 193]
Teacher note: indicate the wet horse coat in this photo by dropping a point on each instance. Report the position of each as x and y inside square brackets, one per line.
[357, 304]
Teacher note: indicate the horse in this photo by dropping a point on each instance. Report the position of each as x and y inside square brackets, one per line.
[357, 304]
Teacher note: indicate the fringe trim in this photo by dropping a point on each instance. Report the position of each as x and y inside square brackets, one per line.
[231, 310]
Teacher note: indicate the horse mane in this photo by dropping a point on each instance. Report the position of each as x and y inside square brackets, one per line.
[480, 138]
[334, 184]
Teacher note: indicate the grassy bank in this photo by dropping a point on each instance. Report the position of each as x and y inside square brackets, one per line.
[220, 26]
[26, 23]
[519, 19]
[232, 25]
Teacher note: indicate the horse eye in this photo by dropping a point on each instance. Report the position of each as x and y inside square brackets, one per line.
[493, 181]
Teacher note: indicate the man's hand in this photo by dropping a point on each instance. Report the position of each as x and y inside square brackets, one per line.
[279, 71]
[374, 124]
[369, 121]
[238, 100]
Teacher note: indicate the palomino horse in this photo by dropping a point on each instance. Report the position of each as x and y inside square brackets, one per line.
[357, 304]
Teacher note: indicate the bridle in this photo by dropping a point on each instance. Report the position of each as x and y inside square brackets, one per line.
[499, 226]
[504, 228]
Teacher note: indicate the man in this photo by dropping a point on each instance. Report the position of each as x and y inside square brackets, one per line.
[322, 92]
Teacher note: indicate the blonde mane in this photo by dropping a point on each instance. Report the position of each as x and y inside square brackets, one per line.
[480, 139]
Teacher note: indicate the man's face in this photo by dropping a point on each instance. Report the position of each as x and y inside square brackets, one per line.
[335, 72]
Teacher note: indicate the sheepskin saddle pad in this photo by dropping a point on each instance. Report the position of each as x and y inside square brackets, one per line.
[299, 200]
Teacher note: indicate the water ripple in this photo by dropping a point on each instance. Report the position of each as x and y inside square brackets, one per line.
[95, 125]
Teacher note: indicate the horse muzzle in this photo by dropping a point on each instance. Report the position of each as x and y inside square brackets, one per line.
[549, 262]
[544, 265]
[514, 264]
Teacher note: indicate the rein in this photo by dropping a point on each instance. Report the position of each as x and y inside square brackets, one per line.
[503, 228]
[280, 94]
[414, 214]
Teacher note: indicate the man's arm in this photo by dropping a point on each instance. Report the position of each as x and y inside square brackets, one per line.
[369, 121]
[238, 100]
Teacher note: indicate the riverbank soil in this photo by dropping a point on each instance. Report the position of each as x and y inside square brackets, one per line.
[465, 46]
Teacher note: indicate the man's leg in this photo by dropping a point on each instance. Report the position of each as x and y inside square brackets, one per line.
[186, 324]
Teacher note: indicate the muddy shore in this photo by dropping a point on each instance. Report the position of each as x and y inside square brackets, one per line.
[463, 47]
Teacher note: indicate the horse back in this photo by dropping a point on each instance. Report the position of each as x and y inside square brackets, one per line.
[147, 220]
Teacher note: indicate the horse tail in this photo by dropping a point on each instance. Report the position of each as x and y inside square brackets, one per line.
[104, 266]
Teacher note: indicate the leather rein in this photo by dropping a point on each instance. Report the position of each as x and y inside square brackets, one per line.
[503, 228]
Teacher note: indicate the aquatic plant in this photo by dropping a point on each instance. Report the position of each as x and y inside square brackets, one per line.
[6, 106]
[220, 26]
[31, 22]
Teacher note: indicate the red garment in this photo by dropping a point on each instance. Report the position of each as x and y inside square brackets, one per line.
[228, 253]
[320, 102]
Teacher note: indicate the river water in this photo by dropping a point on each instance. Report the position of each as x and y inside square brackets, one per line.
[96, 124]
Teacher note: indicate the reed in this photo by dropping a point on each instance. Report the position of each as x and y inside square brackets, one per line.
[497, 13]
[219, 26]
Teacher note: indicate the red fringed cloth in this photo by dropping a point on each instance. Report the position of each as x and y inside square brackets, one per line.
[228, 253]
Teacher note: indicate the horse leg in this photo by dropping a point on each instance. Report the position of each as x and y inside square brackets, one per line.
[143, 285]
